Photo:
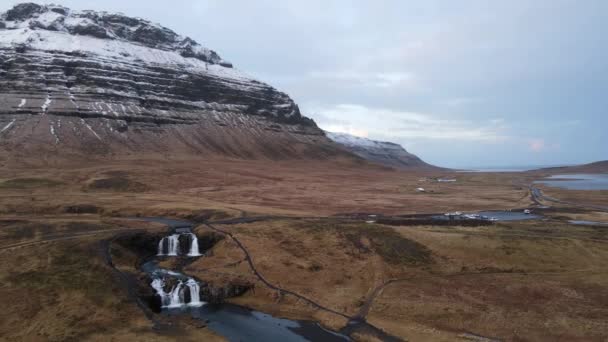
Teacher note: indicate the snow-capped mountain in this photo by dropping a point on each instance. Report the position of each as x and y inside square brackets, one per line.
[385, 153]
[107, 83]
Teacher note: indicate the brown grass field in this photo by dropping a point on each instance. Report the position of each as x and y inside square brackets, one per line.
[543, 280]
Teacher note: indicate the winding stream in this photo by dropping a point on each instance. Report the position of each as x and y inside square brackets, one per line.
[180, 295]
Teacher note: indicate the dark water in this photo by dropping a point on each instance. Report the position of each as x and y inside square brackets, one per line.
[491, 216]
[577, 181]
[498, 169]
[237, 323]
[151, 268]
[511, 168]
[509, 215]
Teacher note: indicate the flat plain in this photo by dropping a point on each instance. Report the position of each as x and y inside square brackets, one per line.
[307, 229]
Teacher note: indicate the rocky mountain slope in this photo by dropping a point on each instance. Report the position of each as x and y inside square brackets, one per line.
[86, 82]
[385, 153]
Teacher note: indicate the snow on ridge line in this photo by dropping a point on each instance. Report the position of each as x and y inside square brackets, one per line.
[105, 25]
[117, 49]
[352, 140]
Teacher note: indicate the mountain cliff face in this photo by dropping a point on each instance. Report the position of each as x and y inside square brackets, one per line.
[385, 153]
[102, 83]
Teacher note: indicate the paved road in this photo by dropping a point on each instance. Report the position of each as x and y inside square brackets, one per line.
[538, 196]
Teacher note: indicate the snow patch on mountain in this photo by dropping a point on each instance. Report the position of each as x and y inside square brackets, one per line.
[7, 126]
[104, 25]
[113, 50]
[381, 152]
[106, 83]
[352, 140]
[125, 61]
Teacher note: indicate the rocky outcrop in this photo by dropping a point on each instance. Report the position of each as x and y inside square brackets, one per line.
[219, 294]
[103, 83]
[385, 153]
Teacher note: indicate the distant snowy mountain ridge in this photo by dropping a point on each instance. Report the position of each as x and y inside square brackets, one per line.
[353, 140]
[385, 153]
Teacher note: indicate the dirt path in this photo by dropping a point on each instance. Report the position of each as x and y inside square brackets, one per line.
[355, 324]
[128, 282]
[266, 282]
[538, 196]
[54, 238]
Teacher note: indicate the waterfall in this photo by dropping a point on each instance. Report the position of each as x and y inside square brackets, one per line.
[172, 242]
[160, 247]
[194, 246]
[175, 298]
[158, 285]
[195, 298]
[172, 245]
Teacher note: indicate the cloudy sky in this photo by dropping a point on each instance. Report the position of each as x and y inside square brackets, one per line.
[460, 83]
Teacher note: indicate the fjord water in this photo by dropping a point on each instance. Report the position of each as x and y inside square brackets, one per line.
[577, 181]
[510, 168]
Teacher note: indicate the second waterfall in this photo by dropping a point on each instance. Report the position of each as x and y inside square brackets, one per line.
[170, 245]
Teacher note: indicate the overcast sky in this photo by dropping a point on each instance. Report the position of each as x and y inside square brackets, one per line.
[460, 83]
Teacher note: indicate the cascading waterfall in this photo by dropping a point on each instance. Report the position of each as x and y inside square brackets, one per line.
[177, 293]
[172, 245]
[160, 247]
[158, 285]
[172, 242]
[176, 297]
[195, 289]
[194, 246]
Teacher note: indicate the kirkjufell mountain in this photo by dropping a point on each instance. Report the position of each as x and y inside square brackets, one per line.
[88, 82]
